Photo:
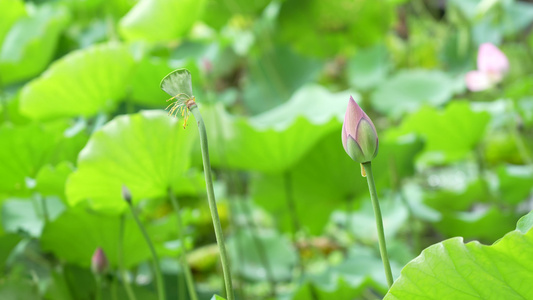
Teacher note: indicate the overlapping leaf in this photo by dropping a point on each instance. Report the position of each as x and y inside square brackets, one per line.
[279, 255]
[30, 44]
[25, 149]
[160, 20]
[277, 139]
[452, 269]
[148, 152]
[12, 10]
[326, 178]
[84, 82]
[75, 235]
[409, 90]
[450, 134]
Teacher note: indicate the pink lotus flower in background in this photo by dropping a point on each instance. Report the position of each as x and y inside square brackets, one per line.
[492, 64]
[359, 136]
[99, 262]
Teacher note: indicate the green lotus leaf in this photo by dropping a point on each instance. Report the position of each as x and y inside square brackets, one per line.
[75, 235]
[409, 90]
[515, 183]
[275, 76]
[369, 67]
[160, 20]
[83, 82]
[25, 149]
[277, 139]
[217, 13]
[148, 152]
[337, 26]
[28, 215]
[145, 82]
[327, 177]
[278, 252]
[484, 224]
[454, 270]
[450, 134]
[12, 10]
[50, 180]
[31, 43]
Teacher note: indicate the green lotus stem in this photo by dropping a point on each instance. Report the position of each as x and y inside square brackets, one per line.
[122, 270]
[379, 222]
[98, 279]
[157, 269]
[183, 257]
[211, 199]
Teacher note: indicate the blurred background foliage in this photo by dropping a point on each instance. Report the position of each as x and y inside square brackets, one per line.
[82, 113]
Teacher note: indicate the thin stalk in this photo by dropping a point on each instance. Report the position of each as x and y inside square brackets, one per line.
[46, 215]
[263, 257]
[98, 279]
[234, 187]
[379, 222]
[114, 288]
[157, 269]
[287, 181]
[211, 199]
[183, 257]
[122, 270]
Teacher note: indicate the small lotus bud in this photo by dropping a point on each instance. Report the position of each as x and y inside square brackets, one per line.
[126, 194]
[490, 59]
[99, 262]
[492, 64]
[359, 136]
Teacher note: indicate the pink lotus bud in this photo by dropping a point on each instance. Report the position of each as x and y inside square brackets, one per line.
[359, 136]
[491, 60]
[99, 262]
[477, 81]
[492, 64]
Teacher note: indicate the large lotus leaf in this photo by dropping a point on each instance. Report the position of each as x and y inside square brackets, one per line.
[454, 270]
[93, 9]
[145, 82]
[50, 180]
[369, 67]
[450, 134]
[75, 235]
[217, 13]
[278, 252]
[160, 20]
[9, 111]
[83, 82]
[409, 90]
[484, 224]
[362, 222]
[25, 149]
[30, 44]
[28, 215]
[326, 178]
[148, 152]
[11, 10]
[337, 27]
[275, 76]
[515, 183]
[275, 140]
